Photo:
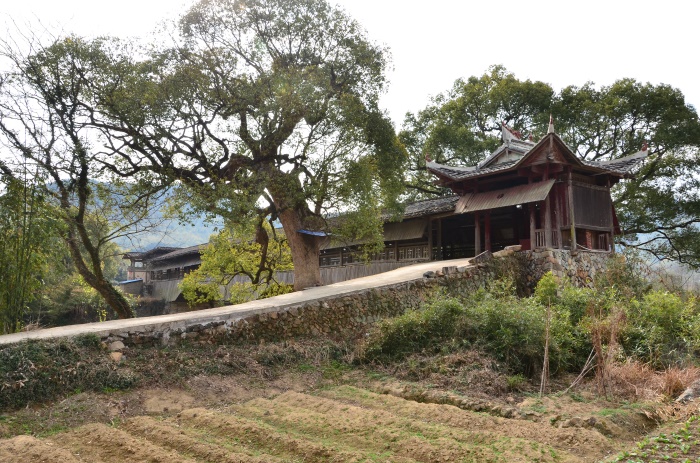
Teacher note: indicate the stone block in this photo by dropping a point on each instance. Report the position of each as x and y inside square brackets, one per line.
[116, 346]
[501, 254]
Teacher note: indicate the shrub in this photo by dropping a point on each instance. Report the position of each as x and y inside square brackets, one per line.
[513, 330]
[510, 329]
[412, 331]
[662, 329]
[627, 273]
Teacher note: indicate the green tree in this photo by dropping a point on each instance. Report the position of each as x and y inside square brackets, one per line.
[45, 123]
[264, 105]
[462, 126]
[254, 252]
[659, 210]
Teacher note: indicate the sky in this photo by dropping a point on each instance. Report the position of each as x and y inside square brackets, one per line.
[435, 42]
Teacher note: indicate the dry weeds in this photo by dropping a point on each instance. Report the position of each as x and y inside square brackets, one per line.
[634, 380]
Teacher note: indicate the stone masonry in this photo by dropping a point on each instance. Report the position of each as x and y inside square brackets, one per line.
[343, 315]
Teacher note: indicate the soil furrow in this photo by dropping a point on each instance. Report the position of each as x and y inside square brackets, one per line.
[100, 443]
[167, 434]
[269, 439]
[361, 428]
[574, 440]
[28, 449]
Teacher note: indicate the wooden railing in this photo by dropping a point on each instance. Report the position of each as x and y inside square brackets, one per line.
[540, 239]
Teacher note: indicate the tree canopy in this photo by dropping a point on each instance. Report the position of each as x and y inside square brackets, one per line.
[264, 105]
[45, 123]
[253, 252]
[659, 210]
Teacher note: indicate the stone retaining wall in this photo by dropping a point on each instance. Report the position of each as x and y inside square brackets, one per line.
[581, 268]
[341, 317]
[346, 315]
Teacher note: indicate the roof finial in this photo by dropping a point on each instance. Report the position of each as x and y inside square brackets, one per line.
[509, 134]
[427, 158]
[550, 129]
[645, 147]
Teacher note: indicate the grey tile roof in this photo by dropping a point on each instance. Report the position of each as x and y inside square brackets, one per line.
[430, 206]
[196, 249]
[160, 250]
[621, 165]
[461, 173]
[519, 146]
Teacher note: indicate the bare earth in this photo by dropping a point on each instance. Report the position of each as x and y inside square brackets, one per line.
[302, 418]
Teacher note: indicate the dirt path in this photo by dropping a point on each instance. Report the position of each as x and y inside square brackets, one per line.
[336, 424]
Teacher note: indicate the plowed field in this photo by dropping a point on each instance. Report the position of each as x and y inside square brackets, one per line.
[337, 424]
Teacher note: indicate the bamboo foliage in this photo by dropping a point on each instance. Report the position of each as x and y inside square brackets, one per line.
[24, 246]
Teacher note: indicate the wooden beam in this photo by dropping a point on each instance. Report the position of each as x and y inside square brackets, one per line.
[477, 235]
[572, 217]
[430, 239]
[487, 231]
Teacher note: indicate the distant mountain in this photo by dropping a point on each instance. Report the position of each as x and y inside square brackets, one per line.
[172, 233]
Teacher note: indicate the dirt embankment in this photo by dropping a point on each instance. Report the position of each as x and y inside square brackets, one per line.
[326, 416]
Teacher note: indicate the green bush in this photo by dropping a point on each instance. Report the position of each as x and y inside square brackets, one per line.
[412, 331]
[510, 329]
[662, 329]
[658, 327]
[513, 331]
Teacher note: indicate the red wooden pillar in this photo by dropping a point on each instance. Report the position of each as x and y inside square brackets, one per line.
[548, 205]
[439, 239]
[548, 223]
[430, 239]
[533, 220]
[612, 222]
[557, 216]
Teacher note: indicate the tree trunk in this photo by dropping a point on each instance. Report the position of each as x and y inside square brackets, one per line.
[305, 249]
[114, 299]
[109, 293]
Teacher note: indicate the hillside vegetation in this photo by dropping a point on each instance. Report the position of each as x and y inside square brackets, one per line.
[456, 380]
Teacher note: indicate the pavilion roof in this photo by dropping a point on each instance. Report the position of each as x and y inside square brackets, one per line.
[517, 151]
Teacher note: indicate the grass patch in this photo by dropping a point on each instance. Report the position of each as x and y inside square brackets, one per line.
[681, 445]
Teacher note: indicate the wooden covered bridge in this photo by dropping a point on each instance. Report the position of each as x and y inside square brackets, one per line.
[537, 195]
